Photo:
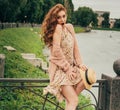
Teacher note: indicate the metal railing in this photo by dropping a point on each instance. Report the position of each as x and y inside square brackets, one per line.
[12, 87]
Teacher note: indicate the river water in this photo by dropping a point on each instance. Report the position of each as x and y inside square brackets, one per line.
[99, 49]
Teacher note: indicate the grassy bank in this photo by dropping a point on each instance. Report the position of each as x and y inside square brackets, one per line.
[24, 40]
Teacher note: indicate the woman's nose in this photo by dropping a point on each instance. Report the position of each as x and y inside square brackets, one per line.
[62, 19]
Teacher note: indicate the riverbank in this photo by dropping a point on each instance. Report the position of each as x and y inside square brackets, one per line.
[107, 29]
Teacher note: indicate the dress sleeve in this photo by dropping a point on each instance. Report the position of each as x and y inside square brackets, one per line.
[57, 56]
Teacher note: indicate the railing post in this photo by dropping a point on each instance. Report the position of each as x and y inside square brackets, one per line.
[102, 96]
[111, 99]
[2, 62]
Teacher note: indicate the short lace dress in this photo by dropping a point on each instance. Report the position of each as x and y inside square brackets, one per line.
[60, 77]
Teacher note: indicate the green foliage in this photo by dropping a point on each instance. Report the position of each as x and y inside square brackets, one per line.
[105, 22]
[117, 23]
[21, 99]
[32, 11]
[24, 41]
[84, 100]
[84, 16]
[9, 10]
[94, 20]
[17, 67]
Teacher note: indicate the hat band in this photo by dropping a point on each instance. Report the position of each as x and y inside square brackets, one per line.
[86, 76]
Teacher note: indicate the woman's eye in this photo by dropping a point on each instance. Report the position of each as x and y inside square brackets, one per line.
[58, 17]
[63, 16]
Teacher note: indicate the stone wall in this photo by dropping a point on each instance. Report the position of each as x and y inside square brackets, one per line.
[14, 25]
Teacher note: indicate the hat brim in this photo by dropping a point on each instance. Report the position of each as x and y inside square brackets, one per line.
[87, 86]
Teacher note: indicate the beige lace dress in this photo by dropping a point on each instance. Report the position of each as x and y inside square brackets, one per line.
[62, 56]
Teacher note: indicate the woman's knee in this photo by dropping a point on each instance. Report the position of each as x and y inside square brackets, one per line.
[74, 101]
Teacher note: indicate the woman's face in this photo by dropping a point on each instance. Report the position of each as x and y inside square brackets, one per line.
[61, 17]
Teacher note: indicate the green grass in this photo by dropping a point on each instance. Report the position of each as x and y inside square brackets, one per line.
[79, 29]
[24, 40]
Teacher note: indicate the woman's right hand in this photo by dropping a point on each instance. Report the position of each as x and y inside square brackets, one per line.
[72, 75]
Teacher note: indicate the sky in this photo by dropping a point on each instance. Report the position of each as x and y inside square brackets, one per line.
[113, 6]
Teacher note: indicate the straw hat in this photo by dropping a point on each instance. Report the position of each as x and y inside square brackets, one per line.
[88, 77]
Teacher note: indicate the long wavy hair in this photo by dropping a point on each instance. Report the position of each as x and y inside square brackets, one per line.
[50, 22]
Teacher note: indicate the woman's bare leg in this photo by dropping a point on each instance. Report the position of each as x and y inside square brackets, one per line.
[80, 87]
[70, 96]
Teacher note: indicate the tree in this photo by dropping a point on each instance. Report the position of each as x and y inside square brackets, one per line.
[94, 19]
[70, 9]
[84, 16]
[105, 23]
[32, 11]
[35, 10]
[117, 23]
[9, 10]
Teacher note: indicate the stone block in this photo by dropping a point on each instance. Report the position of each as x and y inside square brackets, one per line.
[28, 55]
[111, 99]
[35, 61]
[9, 48]
[2, 63]
[44, 66]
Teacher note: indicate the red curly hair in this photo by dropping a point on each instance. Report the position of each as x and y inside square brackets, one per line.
[50, 22]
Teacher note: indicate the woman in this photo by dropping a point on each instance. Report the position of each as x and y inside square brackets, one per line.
[65, 79]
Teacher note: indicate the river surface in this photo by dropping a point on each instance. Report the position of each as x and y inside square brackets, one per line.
[99, 50]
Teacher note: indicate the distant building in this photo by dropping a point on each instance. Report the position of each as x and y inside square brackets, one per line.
[112, 22]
